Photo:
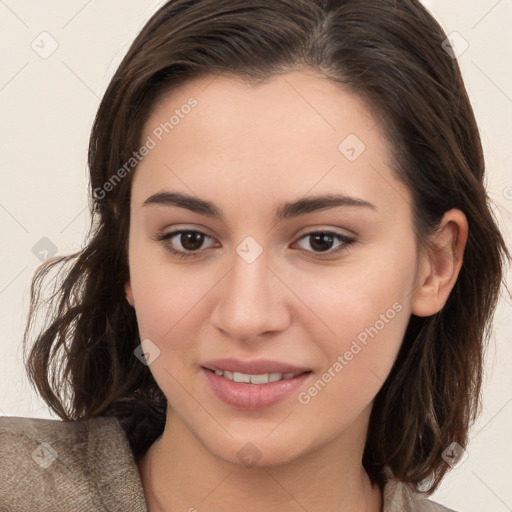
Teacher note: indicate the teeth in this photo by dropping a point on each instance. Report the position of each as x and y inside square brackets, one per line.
[260, 379]
[241, 377]
[254, 379]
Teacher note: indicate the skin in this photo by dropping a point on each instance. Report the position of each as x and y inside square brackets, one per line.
[248, 148]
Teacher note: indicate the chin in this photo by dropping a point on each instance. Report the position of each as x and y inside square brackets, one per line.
[256, 451]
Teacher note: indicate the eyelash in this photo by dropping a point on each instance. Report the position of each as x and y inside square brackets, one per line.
[346, 240]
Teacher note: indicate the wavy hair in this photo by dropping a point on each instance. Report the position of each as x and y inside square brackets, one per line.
[390, 53]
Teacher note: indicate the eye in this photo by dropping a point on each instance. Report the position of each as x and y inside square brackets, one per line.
[322, 241]
[188, 242]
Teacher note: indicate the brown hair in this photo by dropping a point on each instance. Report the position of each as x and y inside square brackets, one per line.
[388, 52]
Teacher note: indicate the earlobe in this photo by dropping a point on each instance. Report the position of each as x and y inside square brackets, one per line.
[129, 294]
[440, 268]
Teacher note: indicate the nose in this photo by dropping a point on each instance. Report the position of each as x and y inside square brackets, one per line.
[251, 300]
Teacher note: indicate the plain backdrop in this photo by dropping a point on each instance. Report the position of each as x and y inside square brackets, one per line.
[56, 60]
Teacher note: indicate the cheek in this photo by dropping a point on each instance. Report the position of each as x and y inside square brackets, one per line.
[361, 292]
[166, 295]
[366, 305]
[369, 324]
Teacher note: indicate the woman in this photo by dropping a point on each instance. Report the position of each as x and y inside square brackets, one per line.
[283, 302]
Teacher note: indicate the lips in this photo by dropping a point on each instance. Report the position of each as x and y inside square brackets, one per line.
[253, 385]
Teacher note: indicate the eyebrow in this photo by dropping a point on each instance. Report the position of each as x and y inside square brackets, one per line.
[285, 210]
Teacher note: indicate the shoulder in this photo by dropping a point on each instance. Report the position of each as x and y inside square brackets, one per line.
[402, 497]
[66, 465]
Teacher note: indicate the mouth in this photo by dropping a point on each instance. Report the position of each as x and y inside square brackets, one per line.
[253, 385]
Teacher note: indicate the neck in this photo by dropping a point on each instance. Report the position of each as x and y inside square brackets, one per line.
[179, 473]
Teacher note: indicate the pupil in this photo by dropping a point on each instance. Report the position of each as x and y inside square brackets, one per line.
[319, 241]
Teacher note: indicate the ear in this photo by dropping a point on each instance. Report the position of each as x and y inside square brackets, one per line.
[129, 294]
[439, 269]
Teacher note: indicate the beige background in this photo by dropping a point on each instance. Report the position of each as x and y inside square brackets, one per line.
[47, 106]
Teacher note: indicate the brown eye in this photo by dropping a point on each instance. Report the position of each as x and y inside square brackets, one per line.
[191, 240]
[184, 243]
[323, 241]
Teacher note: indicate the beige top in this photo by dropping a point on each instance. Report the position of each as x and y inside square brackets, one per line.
[87, 465]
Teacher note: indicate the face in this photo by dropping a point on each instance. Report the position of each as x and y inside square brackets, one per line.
[266, 271]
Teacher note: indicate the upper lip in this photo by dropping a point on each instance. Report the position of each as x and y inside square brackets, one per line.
[257, 367]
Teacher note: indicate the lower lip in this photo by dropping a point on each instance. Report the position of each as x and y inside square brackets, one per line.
[253, 396]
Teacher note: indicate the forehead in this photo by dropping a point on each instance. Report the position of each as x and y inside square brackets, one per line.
[297, 102]
[296, 132]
